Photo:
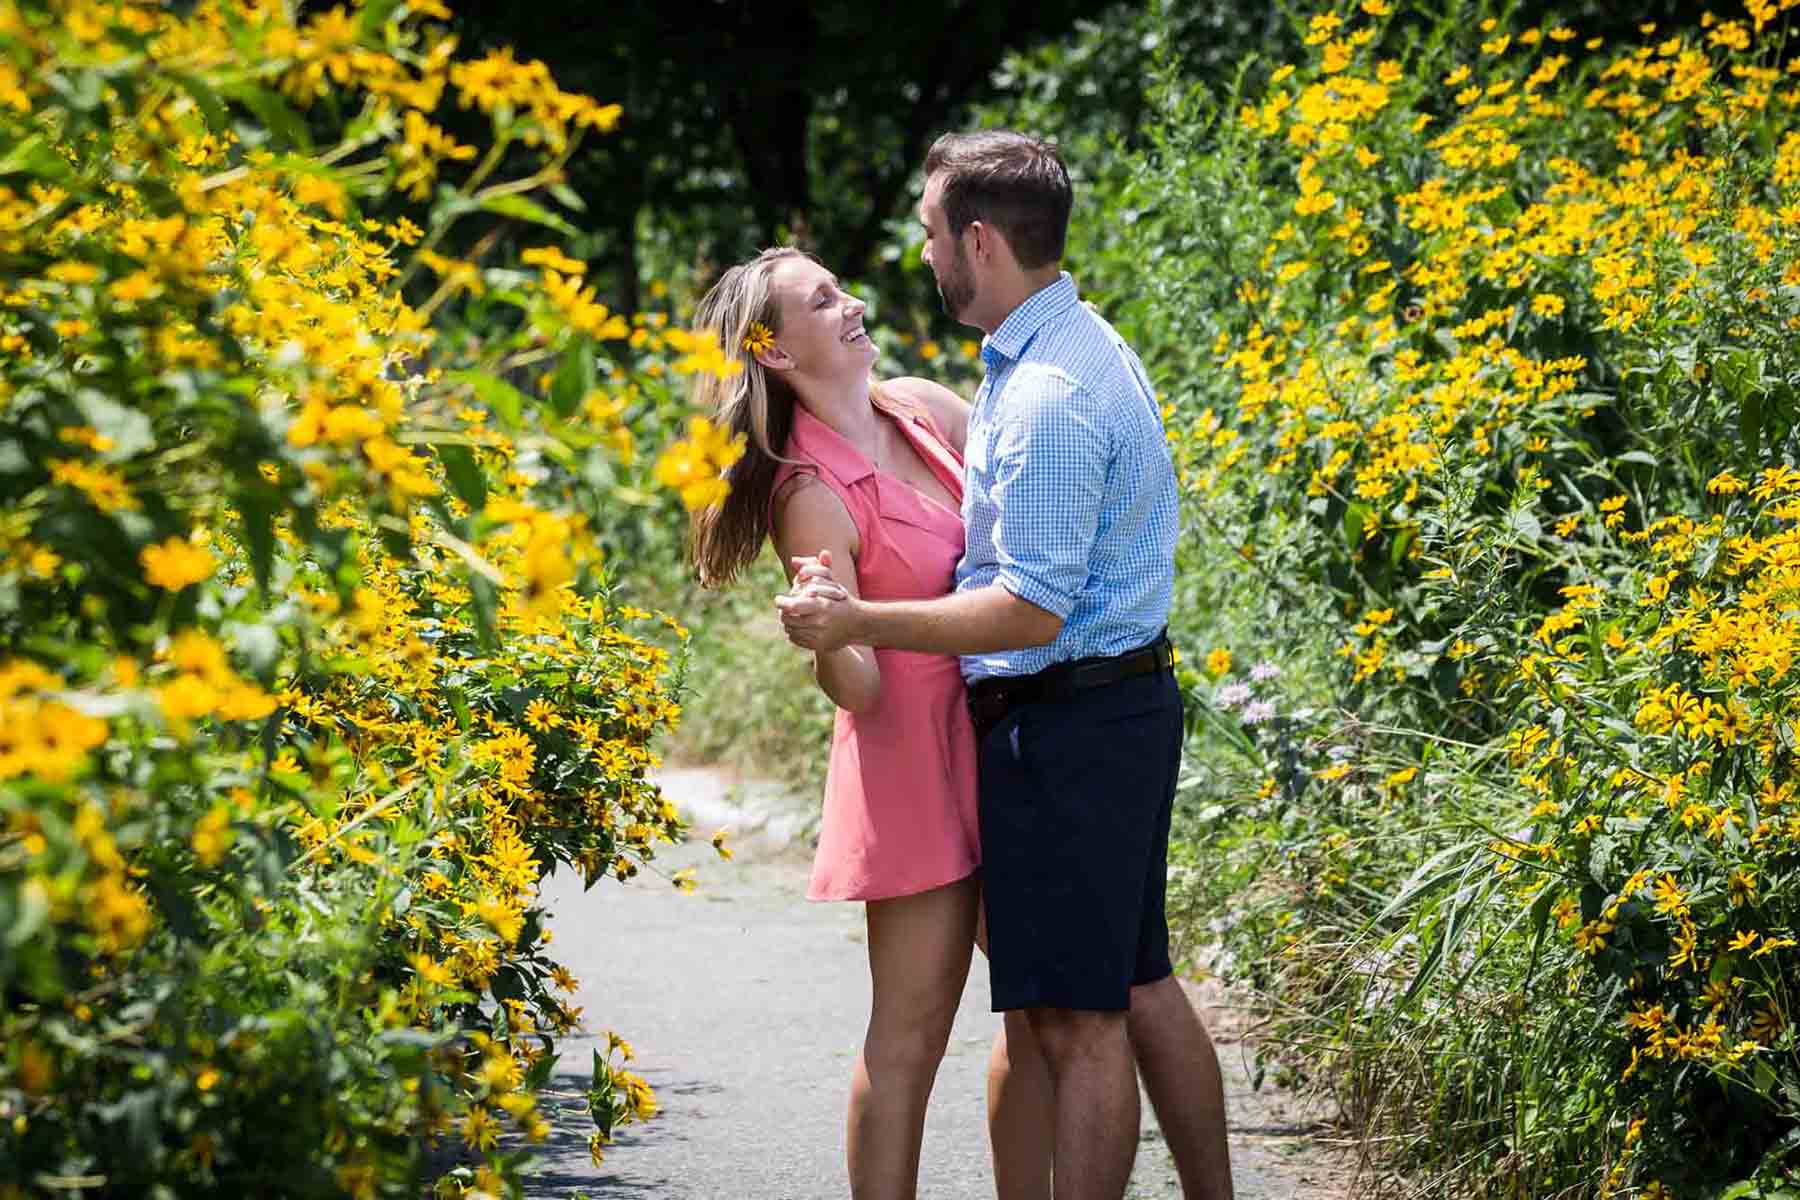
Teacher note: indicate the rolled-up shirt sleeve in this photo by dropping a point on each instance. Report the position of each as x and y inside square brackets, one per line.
[1050, 457]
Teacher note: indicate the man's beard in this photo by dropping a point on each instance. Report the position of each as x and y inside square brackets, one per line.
[956, 287]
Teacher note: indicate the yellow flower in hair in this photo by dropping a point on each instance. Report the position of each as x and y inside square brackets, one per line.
[759, 338]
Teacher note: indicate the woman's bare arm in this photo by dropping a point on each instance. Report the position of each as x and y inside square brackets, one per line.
[808, 517]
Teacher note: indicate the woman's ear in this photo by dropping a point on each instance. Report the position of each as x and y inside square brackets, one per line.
[775, 358]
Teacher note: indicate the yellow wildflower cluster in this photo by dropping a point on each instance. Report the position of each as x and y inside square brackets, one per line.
[1508, 369]
[696, 466]
[305, 669]
[41, 736]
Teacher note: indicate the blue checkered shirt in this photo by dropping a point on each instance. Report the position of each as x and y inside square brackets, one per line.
[1070, 498]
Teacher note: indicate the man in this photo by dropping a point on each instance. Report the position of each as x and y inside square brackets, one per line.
[1062, 598]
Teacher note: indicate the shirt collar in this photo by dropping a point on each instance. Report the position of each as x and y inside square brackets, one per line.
[1022, 324]
[827, 447]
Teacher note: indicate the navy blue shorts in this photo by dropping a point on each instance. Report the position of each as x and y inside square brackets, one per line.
[1075, 801]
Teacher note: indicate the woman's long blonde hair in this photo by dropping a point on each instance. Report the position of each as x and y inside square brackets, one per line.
[755, 402]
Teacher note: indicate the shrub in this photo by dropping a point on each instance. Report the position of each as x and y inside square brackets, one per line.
[1503, 399]
[308, 667]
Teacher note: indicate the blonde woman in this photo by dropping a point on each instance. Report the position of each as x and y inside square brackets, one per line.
[871, 473]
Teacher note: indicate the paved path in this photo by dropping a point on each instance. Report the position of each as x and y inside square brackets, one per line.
[745, 1005]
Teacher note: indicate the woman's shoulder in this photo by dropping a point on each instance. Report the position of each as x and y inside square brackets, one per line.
[924, 393]
[943, 408]
[805, 507]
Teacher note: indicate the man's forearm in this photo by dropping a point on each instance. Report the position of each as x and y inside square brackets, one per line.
[979, 621]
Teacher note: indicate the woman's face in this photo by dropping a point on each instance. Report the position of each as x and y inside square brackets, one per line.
[821, 324]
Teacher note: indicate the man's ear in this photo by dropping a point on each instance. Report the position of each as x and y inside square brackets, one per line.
[981, 239]
[990, 245]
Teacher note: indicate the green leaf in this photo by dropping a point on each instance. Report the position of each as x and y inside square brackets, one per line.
[459, 704]
[211, 107]
[128, 428]
[575, 378]
[282, 122]
[507, 984]
[568, 197]
[32, 914]
[465, 474]
[539, 1074]
[258, 508]
[34, 156]
[1750, 422]
[173, 897]
[374, 17]
[485, 598]
[1355, 517]
[507, 401]
[529, 210]
[1402, 543]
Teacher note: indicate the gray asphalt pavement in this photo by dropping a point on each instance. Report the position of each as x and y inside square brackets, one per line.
[745, 1005]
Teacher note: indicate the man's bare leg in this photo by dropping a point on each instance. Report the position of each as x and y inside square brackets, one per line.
[1180, 1070]
[1095, 1088]
[1181, 1073]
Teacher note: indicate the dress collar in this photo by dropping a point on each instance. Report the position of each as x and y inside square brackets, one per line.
[827, 447]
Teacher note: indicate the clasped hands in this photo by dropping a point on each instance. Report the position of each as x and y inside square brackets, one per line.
[816, 609]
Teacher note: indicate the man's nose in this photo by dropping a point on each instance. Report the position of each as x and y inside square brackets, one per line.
[854, 307]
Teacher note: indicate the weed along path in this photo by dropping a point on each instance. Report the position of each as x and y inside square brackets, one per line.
[745, 1006]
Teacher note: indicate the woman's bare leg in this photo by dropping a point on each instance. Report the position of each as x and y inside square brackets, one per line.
[1021, 1108]
[919, 948]
[1021, 1113]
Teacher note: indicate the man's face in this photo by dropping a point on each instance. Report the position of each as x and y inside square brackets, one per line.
[945, 255]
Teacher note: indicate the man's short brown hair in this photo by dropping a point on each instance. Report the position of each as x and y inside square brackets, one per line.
[1014, 182]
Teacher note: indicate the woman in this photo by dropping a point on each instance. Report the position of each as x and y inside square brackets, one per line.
[871, 472]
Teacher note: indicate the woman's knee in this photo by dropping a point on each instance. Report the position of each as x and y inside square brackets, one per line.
[909, 1048]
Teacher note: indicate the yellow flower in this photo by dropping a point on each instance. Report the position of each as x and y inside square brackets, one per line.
[212, 835]
[1565, 912]
[105, 488]
[759, 339]
[695, 467]
[176, 563]
[1743, 886]
[542, 716]
[554, 259]
[139, 285]
[1724, 484]
[479, 1128]
[1218, 662]
[1670, 900]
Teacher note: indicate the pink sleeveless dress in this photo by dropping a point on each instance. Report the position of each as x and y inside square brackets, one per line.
[900, 813]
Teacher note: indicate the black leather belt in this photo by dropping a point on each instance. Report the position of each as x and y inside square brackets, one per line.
[991, 699]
